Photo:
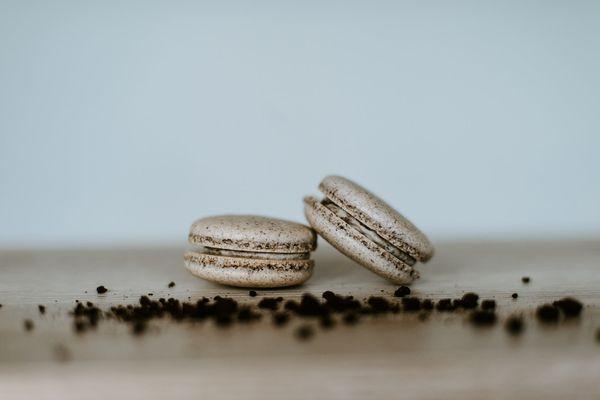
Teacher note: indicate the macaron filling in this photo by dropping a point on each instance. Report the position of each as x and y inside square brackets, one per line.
[252, 254]
[369, 233]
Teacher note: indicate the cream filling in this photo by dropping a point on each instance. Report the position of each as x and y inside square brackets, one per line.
[252, 254]
[371, 234]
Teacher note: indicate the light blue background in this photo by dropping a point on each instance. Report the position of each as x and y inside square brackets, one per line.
[123, 121]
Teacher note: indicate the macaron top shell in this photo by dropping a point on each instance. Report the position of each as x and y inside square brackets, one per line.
[377, 215]
[252, 233]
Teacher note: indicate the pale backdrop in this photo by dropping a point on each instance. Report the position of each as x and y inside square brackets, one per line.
[123, 121]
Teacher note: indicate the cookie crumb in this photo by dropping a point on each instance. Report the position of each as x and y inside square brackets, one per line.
[101, 289]
[547, 313]
[525, 279]
[304, 332]
[402, 291]
[252, 293]
[514, 325]
[483, 318]
[515, 295]
[28, 325]
[171, 284]
[569, 306]
[488, 304]
[280, 318]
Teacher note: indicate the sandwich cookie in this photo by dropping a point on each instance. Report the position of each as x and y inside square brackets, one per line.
[365, 228]
[250, 251]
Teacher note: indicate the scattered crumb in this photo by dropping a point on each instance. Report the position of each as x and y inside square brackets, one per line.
[515, 295]
[252, 293]
[569, 306]
[514, 325]
[483, 318]
[101, 289]
[171, 284]
[42, 309]
[402, 291]
[548, 313]
[28, 325]
[304, 332]
[525, 279]
[488, 304]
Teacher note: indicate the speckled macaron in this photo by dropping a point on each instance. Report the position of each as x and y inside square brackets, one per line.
[365, 228]
[250, 251]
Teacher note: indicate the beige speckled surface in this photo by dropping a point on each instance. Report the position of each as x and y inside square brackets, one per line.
[252, 233]
[377, 215]
[355, 245]
[248, 272]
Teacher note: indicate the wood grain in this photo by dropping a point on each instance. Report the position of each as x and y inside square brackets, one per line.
[395, 356]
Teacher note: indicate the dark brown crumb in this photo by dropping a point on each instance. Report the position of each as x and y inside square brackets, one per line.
[525, 279]
[269, 303]
[427, 304]
[423, 316]
[378, 304]
[80, 326]
[28, 325]
[171, 284]
[488, 304]
[469, 300]
[252, 293]
[402, 291]
[515, 295]
[598, 335]
[327, 322]
[411, 304]
[280, 318]
[514, 325]
[0, 305]
[304, 332]
[101, 289]
[569, 306]
[483, 318]
[42, 309]
[547, 313]
[245, 314]
[351, 318]
[445, 305]
[139, 327]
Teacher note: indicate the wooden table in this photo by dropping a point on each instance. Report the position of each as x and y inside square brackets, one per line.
[392, 356]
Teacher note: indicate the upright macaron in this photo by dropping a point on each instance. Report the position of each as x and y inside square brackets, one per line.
[365, 228]
[250, 251]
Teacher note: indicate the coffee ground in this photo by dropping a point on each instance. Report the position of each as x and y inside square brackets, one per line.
[483, 318]
[569, 306]
[402, 291]
[488, 304]
[515, 295]
[252, 293]
[28, 325]
[514, 325]
[548, 313]
[101, 289]
[42, 309]
[525, 279]
[305, 332]
[171, 284]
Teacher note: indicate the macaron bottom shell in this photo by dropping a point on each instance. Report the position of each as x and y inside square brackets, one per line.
[248, 272]
[356, 245]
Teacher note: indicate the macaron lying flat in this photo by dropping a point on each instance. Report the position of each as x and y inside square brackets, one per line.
[365, 228]
[250, 251]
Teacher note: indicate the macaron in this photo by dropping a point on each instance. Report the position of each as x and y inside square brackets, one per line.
[368, 230]
[250, 251]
